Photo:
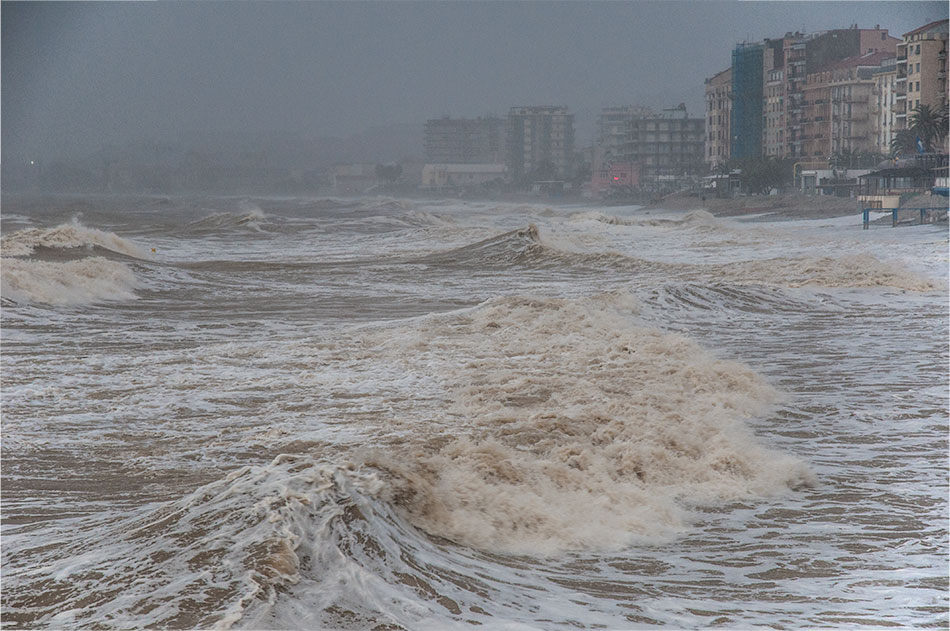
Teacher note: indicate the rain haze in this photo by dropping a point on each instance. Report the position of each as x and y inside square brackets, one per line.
[80, 76]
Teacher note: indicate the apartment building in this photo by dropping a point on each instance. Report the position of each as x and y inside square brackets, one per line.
[613, 124]
[837, 111]
[921, 71]
[669, 149]
[794, 84]
[718, 111]
[464, 140]
[746, 117]
[460, 176]
[831, 46]
[540, 142]
[773, 98]
[884, 96]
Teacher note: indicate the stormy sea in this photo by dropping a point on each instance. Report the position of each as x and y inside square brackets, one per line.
[375, 413]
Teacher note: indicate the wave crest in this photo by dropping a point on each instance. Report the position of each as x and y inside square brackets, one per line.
[862, 270]
[198, 562]
[83, 281]
[228, 221]
[572, 427]
[64, 236]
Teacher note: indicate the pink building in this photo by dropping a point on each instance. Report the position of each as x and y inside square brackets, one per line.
[607, 176]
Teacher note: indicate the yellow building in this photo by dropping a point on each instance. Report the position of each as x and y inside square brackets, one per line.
[921, 71]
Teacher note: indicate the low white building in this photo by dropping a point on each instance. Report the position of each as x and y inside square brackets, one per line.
[354, 179]
[442, 176]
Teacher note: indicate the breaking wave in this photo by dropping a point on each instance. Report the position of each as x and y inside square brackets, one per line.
[693, 219]
[82, 281]
[198, 562]
[228, 221]
[572, 427]
[568, 425]
[862, 270]
[66, 236]
[528, 247]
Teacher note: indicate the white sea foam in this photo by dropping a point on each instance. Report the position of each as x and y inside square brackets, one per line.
[84, 281]
[232, 541]
[70, 235]
[859, 270]
[645, 479]
[572, 427]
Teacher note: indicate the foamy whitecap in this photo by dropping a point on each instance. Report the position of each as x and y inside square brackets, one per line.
[573, 427]
[862, 270]
[232, 542]
[227, 221]
[596, 215]
[532, 247]
[84, 281]
[71, 235]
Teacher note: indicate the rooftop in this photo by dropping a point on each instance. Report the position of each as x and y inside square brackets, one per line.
[940, 26]
[867, 60]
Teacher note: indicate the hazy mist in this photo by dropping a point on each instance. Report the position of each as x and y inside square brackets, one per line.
[78, 76]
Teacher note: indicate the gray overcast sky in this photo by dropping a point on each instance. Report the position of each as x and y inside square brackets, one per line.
[78, 75]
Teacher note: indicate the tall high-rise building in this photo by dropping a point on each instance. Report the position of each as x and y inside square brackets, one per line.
[540, 142]
[794, 94]
[746, 123]
[464, 140]
[718, 110]
[773, 98]
[921, 71]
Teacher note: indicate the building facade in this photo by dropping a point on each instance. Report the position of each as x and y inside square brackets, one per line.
[669, 149]
[612, 177]
[353, 179]
[768, 86]
[794, 92]
[460, 176]
[746, 123]
[921, 71]
[613, 124]
[539, 143]
[464, 140]
[882, 106]
[837, 115]
[718, 110]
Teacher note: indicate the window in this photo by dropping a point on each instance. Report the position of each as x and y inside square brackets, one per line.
[918, 67]
[918, 87]
[917, 52]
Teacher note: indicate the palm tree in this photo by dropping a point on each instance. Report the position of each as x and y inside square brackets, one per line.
[926, 124]
[944, 123]
[903, 143]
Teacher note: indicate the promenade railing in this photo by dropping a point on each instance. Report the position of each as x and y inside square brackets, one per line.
[907, 216]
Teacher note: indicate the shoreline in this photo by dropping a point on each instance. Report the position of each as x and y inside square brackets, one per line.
[770, 207]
